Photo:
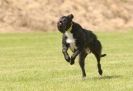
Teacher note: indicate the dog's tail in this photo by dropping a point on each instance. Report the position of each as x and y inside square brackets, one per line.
[103, 55]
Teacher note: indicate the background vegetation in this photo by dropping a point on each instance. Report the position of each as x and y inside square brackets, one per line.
[42, 15]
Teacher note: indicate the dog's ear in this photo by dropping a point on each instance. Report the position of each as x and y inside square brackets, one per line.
[71, 16]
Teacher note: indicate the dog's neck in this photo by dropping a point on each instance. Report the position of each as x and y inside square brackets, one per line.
[70, 28]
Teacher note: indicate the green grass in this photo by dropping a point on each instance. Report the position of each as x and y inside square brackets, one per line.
[34, 62]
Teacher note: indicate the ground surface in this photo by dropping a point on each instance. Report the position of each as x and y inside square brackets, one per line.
[34, 62]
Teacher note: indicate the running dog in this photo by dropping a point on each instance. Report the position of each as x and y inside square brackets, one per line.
[80, 41]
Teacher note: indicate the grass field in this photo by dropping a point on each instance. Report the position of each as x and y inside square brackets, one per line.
[34, 62]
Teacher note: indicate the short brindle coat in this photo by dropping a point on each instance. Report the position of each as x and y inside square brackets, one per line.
[80, 41]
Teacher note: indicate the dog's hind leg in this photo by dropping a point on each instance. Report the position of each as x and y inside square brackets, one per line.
[82, 56]
[98, 64]
[96, 50]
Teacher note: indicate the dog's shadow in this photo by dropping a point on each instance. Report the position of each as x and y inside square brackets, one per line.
[107, 77]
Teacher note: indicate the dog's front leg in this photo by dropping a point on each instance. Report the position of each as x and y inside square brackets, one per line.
[66, 56]
[65, 47]
[64, 51]
[75, 54]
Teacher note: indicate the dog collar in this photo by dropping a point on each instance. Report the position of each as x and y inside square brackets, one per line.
[70, 28]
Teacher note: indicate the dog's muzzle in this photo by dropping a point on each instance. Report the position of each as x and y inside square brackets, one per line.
[61, 27]
[60, 23]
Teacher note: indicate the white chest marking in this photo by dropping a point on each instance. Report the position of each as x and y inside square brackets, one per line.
[70, 40]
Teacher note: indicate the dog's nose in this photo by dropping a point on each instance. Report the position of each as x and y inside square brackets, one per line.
[60, 23]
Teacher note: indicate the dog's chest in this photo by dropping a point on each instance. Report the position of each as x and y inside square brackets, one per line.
[70, 40]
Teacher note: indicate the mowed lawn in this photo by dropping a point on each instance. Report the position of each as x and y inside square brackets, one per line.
[34, 62]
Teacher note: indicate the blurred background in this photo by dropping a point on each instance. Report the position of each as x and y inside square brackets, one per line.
[42, 15]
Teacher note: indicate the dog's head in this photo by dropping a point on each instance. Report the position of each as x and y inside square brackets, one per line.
[64, 23]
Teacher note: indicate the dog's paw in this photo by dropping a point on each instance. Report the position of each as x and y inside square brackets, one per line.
[84, 78]
[67, 58]
[100, 72]
[72, 61]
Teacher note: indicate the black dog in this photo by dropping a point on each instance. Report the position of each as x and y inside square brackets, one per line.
[80, 41]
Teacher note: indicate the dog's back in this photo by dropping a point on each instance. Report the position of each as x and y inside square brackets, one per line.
[85, 36]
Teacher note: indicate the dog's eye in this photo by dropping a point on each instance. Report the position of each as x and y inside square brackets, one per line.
[65, 20]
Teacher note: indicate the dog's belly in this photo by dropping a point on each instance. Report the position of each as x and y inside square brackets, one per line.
[71, 41]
